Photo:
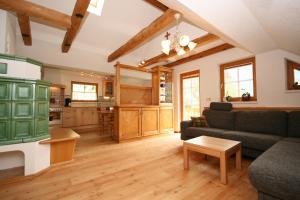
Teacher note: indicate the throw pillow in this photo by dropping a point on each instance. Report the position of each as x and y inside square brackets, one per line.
[199, 122]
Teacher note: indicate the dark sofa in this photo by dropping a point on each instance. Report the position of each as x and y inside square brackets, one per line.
[273, 137]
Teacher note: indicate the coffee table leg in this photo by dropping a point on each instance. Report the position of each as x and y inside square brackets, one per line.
[185, 158]
[238, 159]
[223, 168]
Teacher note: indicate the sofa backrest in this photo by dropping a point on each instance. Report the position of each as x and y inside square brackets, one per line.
[294, 124]
[221, 106]
[220, 119]
[268, 122]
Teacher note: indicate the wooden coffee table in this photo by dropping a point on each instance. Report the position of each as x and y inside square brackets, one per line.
[216, 147]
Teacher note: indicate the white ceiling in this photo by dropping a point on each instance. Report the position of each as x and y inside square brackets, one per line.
[280, 19]
[254, 25]
[120, 20]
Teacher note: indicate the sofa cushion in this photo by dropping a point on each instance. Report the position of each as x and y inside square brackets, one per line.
[220, 106]
[250, 140]
[294, 124]
[268, 122]
[277, 171]
[199, 131]
[220, 119]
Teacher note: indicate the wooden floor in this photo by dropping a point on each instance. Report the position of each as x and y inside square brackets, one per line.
[151, 168]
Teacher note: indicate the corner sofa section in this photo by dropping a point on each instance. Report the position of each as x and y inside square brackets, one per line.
[257, 130]
[272, 137]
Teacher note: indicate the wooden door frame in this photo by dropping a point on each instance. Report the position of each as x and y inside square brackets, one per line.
[190, 74]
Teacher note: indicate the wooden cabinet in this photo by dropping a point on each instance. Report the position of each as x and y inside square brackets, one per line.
[108, 88]
[129, 123]
[166, 120]
[150, 121]
[134, 122]
[74, 117]
[69, 117]
[162, 87]
[143, 111]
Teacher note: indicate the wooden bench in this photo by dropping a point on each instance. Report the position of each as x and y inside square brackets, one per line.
[63, 142]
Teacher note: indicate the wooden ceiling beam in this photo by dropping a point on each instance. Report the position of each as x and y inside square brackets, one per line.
[158, 5]
[145, 35]
[77, 17]
[129, 67]
[24, 24]
[201, 54]
[208, 38]
[41, 14]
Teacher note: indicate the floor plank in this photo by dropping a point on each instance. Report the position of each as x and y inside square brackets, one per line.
[151, 168]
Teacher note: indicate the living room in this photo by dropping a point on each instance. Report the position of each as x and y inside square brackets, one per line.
[149, 99]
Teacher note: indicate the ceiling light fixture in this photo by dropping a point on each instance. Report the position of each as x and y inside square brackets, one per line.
[177, 42]
[142, 62]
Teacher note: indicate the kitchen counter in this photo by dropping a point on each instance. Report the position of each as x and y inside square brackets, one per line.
[137, 105]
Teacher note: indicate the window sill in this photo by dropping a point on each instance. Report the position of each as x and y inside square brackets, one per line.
[292, 91]
[243, 102]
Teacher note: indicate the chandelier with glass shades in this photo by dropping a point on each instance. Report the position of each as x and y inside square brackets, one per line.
[177, 41]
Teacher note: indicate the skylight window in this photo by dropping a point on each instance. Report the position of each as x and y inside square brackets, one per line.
[95, 7]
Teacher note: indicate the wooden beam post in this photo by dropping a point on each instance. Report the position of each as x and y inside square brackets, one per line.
[202, 54]
[77, 17]
[24, 24]
[208, 38]
[158, 5]
[41, 14]
[144, 35]
[117, 84]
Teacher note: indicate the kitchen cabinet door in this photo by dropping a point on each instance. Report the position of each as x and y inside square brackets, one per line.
[129, 123]
[150, 121]
[95, 119]
[166, 120]
[86, 117]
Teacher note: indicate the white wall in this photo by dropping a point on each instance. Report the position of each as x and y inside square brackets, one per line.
[11, 34]
[60, 76]
[7, 33]
[20, 69]
[2, 30]
[270, 74]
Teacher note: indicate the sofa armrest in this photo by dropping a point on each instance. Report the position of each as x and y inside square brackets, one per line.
[183, 126]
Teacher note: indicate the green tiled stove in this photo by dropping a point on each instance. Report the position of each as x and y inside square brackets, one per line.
[24, 110]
